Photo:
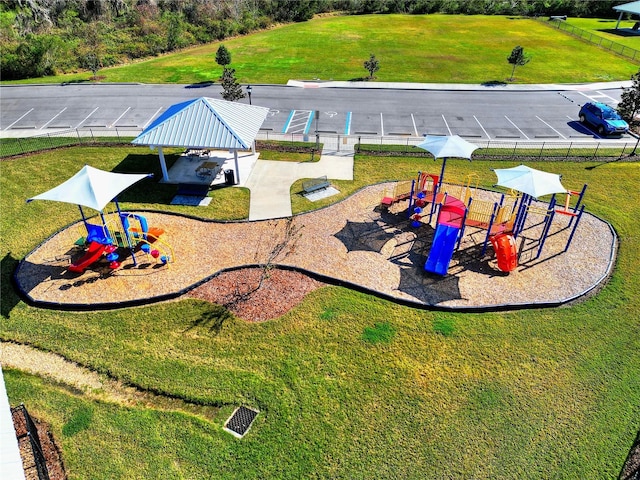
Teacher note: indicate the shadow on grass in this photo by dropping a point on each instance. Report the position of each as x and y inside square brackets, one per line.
[205, 84]
[149, 190]
[621, 32]
[212, 319]
[494, 83]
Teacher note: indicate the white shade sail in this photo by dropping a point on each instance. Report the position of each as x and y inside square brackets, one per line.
[529, 180]
[91, 187]
[447, 146]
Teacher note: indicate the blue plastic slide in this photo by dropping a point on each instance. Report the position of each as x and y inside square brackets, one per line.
[444, 243]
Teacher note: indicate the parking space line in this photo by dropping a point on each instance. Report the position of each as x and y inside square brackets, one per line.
[347, 124]
[613, 100]
[485, 132]
[87, 117]
[582, 125]
[53, 118]
[381, 124]
[151, 118]
[551, 127]
[123, 114]
[309, 121]
[287, 124]
[521, 132]
[447, 125]
[415, 129]
[19, 119]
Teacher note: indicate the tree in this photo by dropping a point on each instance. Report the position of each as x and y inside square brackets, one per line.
[517, 58]
[231, 89]
[223, 56]
[372, 66]
[629, 106]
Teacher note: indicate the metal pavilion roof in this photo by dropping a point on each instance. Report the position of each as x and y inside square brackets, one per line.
[632, 7]
[205, 123]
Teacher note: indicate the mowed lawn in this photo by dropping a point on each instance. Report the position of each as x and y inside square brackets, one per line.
[410, 48]
[606, 28]
[348, 385]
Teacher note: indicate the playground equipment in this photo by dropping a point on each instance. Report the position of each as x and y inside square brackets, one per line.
[94, 188]
[120, 230]
[448, 232]
[457, 210]
[503, 221]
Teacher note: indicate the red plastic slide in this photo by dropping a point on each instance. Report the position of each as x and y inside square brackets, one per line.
[93, 253]
[505, 247]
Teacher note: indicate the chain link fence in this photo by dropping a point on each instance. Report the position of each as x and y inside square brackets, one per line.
[623, 50]
[374, 144]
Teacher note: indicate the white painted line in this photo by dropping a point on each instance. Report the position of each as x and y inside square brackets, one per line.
[87, 117]
[613, 100]
[151, 118]
[52, 119]
[551, 127]
[118, 119]
[447, 125]
[585, 95]
[381, 124]
[588, 130]
[485, 132]
[415, 129]
[19, 119]
[521, 132]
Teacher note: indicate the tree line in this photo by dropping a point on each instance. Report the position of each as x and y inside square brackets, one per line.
[47, 37]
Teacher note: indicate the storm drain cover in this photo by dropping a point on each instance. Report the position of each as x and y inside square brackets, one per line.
[240, 422]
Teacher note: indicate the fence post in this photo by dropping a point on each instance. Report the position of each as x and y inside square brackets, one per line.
[515, 145]
[541, 150]
[568, 150]
[595, 152]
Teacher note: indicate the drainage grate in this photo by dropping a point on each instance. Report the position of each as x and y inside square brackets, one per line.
[240, 422]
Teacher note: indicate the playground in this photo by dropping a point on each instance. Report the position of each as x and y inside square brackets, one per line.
[359, 243]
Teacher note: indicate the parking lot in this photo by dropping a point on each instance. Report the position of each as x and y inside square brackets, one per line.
[488, 115]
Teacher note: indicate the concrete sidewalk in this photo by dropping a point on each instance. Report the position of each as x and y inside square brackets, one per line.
[270, 181]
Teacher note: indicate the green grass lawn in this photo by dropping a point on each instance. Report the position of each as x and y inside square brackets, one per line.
[605, 28]
[410, 48]
[348, 385]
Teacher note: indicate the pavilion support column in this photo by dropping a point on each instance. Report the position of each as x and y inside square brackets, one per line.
[619, 18]
[235, 159]
[163, 165]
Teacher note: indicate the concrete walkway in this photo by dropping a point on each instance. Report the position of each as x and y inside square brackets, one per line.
[270, 181]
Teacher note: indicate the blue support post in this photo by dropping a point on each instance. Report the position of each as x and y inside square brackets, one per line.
[574, 227]
[547, 225]
[486, 238]
[126, 234]
[461, 232]
[413, 184]
[579, 202]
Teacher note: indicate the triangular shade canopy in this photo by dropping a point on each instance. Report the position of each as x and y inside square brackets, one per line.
[91, 187]
[529, 180]
[205, 123]
[447, 146]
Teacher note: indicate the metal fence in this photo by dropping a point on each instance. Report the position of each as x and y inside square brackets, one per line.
[548, 149]
[29, 440]
[628, 52]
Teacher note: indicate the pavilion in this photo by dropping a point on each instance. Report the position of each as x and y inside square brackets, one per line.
[633, 8]
[204, 123]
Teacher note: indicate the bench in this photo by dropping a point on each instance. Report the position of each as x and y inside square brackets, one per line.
[315, 184]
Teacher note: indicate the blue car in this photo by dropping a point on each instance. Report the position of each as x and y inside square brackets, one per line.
[604, 118]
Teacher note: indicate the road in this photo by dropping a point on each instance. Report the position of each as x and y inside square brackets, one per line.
[484, 113]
